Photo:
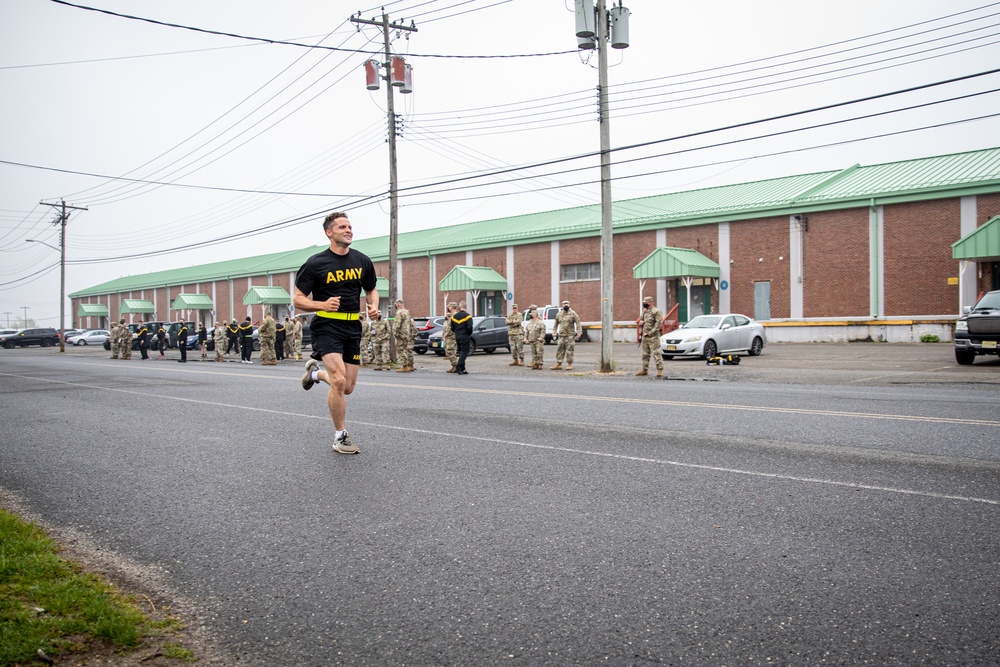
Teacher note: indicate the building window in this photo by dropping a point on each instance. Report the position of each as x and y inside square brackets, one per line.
[571, 272]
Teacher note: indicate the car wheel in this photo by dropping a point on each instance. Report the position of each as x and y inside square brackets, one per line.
[46, 343]
[472, 347]
[256, 346]
[439, 353]
[710, 350]
[548, 339]
[422, 350]
[9, 345]
[756, 346]
[489, 350]
[80, 342]
[964, 357]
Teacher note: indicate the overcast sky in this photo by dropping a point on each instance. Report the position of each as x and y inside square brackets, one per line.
[199, 118]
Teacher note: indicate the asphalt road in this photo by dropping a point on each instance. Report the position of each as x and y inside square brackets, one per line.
[819, 504]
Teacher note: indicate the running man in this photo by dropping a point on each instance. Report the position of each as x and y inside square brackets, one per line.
[330, 285]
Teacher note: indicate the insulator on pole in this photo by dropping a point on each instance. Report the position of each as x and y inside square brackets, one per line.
[397, 73]
[585, 22]
[619, 27]
[407, 79]
[373, 72]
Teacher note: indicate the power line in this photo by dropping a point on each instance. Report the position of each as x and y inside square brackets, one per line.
[298, 44]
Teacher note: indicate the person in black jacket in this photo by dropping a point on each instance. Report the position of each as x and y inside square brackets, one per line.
[143, 334]
[161, 339]
[279, 340]
[233, 337]
[461, 325]
[246, 341]
[182, 342]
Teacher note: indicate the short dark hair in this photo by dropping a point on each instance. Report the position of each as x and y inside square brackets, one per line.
[328, 220]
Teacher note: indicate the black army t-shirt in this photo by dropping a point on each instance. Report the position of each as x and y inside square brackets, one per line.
[329, 274]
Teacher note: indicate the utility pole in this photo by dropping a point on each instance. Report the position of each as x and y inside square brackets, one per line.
[391, 113]
[25, 309]
[592, 24]
[63, 219]
[7, 313]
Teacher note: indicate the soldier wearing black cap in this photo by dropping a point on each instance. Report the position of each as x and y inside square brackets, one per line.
[651, 320]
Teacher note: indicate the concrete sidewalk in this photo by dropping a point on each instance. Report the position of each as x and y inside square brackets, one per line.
[795, 363]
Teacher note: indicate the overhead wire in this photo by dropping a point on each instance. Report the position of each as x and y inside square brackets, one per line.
[403, 191]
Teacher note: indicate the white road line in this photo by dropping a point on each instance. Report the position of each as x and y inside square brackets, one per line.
[568, 450]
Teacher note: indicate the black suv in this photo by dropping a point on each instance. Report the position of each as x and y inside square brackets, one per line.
[46, 337]
[978, 331]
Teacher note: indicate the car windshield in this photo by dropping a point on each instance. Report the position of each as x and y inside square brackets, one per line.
[989, 302]
[704, 322]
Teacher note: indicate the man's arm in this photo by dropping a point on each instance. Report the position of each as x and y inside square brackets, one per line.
[371, 298]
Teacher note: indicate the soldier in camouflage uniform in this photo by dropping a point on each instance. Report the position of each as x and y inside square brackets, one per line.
[297, 338]
[568, 329]
[448, 338]
[113, 340]
[405, 331]
[515, 336]
[126, 341]
[219, 336]
[651, 320]
[380, 343]
[535, 335]
[267, 332]
[366, 338]
[289, 336]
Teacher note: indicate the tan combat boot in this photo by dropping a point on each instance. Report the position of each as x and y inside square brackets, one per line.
[513, 363]
[642, 372]
[452, 369]
[659, 372]
[557, 367]
[569, 367]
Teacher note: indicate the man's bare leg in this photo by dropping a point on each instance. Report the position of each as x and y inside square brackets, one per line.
[342, 378]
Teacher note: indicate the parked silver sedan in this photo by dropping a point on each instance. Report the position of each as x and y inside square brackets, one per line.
[92, 337]
[707, 336]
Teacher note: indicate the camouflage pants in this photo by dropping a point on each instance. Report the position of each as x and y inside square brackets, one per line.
[365, 355]
[288, 348]
[380, 353]
[404, 352]
[565, 349]
[220, 350]
[651, 347]
[267, 355]
[537, 352]
[451, 350]
[297, 347]
[115, 348]
[516, 347]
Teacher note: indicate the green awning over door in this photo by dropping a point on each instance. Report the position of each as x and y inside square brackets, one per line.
[666, 262]
[193, 302]
[136, 307]
[981, 244]
[92, 310]
[271, 295]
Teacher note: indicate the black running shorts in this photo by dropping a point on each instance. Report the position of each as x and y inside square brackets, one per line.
[343, 336]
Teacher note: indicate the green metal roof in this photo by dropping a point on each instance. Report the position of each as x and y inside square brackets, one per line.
[129, 306]
[193, 302]
[982, 244]
[463, 278]
[267, 294]
[665, 262]
[960, 174]
[92, 310]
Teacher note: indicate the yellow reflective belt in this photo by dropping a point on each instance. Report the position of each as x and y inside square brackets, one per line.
[337, 316]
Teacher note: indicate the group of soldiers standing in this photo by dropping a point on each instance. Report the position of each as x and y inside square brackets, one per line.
[376, 334]
[531, 329]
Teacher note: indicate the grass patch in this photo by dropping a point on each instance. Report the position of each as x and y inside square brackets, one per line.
[929, 338]
[49, 604]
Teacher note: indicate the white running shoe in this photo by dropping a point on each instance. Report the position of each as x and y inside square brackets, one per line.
[307, 381]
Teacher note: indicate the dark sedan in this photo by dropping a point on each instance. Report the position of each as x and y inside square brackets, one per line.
[488, 333]
[426, 327]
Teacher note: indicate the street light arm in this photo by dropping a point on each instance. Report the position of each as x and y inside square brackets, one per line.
[43, 243]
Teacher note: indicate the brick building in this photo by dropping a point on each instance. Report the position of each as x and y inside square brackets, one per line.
[860, 252]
